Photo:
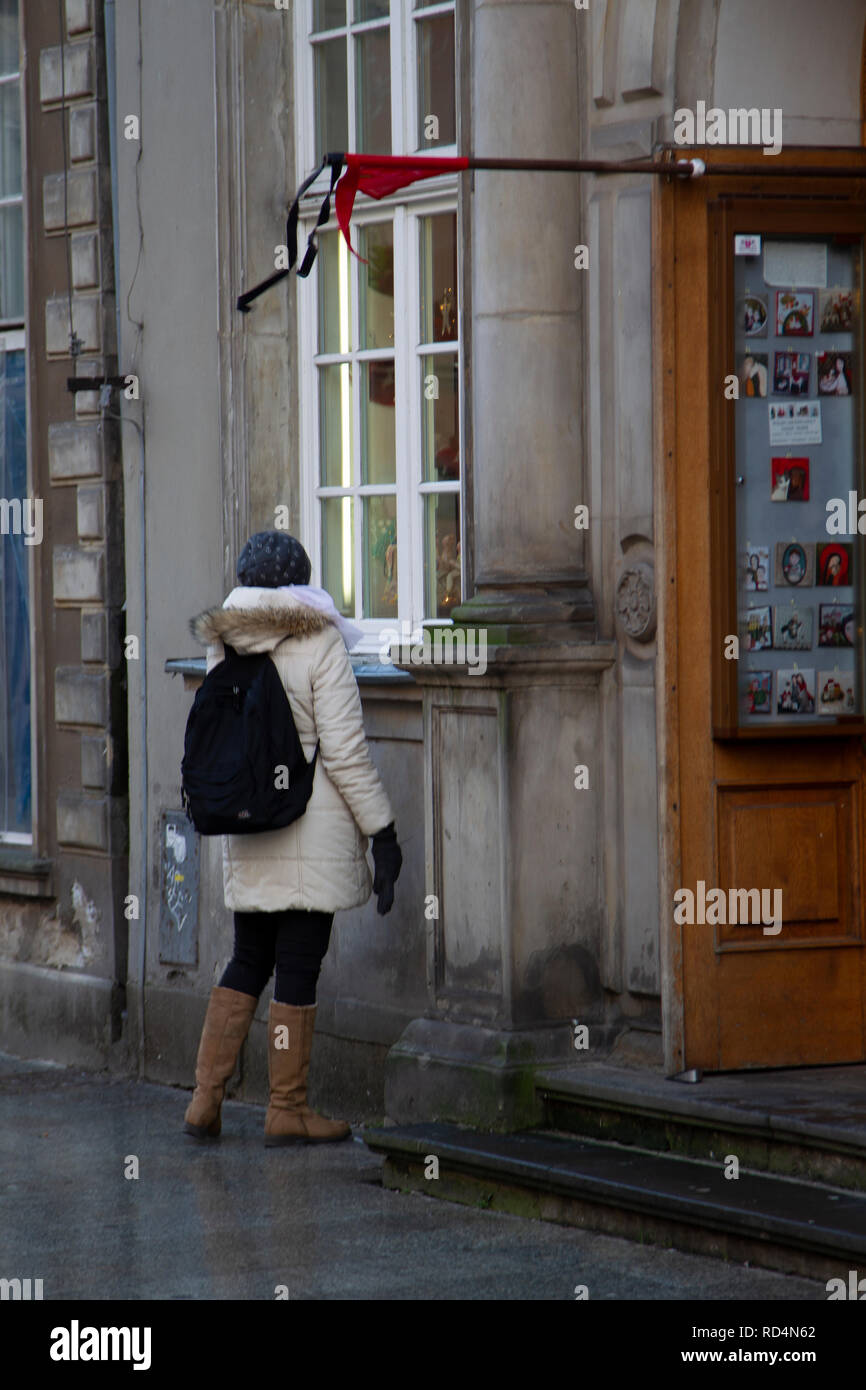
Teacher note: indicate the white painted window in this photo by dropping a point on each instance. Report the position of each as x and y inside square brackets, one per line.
[379, 355]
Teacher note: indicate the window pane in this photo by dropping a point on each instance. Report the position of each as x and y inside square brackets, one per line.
[436, 88]
[328, 14]
[14, 601]
[440, 420]
[376, 285]
[371, 9]
[338, 568]
[332, 99]
[335, 424]
[10, 140]
[12, 262]
[439, 278]
[335, 299]
[380, 557]
[9, 36]
[798, 427]
[441, 553]
[373, 92]
[378, 435]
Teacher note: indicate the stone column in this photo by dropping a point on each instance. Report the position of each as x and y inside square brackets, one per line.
[526, 296]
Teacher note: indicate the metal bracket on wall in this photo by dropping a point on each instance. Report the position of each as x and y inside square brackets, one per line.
[93, 383]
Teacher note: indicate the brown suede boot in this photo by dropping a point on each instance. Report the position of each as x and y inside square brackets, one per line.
[227, 1022]
[289, 1119]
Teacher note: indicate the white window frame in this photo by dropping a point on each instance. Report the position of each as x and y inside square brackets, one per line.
[403, 210]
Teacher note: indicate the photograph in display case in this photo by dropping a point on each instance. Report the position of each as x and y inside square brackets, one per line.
[836, 625]
[834, 373]
[836, 310]
[836, 692]
[752, 316]
[795, 564]
[758, 692]
[757, 629]
[792, 627]
[797, 582]
[755, 568]
[789, 480]
[795, 691]
[795, 312]
[835, 561]
[752, 374]
[791, 373]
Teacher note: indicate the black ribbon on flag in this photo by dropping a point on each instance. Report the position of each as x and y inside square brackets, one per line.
[336, 163]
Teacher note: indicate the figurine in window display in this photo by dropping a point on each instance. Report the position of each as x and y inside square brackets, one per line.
[448, 459]
[447, 572]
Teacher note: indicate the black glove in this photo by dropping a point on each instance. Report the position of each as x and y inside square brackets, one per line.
[388, 861]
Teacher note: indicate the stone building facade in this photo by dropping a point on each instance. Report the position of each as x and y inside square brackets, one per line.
[530, 898]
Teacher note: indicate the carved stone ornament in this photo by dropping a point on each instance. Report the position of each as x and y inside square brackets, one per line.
[636, 602]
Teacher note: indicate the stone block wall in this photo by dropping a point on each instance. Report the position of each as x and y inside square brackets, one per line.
[63, 934]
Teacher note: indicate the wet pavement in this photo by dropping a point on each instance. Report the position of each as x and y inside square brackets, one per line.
[233, 1220]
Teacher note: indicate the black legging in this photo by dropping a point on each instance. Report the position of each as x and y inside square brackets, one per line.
[293, 940]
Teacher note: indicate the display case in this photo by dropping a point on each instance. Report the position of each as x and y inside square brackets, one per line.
[787, 476]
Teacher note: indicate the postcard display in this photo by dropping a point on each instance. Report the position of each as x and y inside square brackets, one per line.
[797, 447]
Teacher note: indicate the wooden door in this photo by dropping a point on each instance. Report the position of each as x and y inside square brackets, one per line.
[746, 806]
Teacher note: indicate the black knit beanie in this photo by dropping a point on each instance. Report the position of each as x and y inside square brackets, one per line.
[273, 558]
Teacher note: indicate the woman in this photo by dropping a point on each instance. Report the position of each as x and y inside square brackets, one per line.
[284, 886]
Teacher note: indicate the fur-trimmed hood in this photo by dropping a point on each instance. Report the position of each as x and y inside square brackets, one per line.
[257, 620]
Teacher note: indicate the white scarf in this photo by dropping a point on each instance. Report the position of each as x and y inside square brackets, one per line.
[307, 595]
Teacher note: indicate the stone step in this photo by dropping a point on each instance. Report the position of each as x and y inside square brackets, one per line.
[779, 1223]
[804, 1122]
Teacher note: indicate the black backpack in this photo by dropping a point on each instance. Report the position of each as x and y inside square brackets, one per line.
[240, 750]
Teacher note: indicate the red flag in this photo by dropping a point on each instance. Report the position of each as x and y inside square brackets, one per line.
[381, 174]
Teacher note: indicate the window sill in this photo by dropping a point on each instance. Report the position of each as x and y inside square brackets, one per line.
[368, 671]
[23, 874]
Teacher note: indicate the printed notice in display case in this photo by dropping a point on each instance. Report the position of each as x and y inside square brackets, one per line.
[798, 440]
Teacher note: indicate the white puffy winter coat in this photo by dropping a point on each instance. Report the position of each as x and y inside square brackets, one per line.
[319, 862]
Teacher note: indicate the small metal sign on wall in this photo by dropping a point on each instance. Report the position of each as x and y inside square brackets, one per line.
[178, 893]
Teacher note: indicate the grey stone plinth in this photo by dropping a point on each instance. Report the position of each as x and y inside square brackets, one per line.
[470, 1075]
[80, 697]
[513, 846]
[79, 575]
[62, 1015]
[518, 613]
[74, 451]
